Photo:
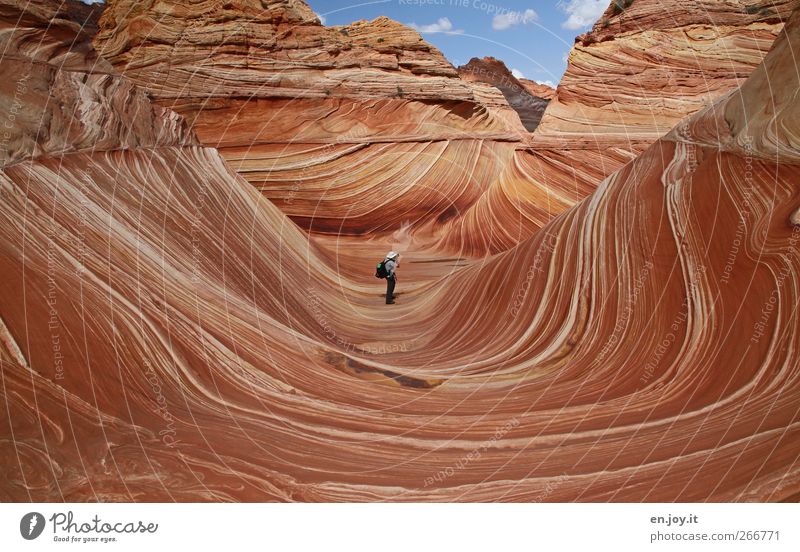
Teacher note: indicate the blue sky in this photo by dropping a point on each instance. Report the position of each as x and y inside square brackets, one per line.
[532, 37]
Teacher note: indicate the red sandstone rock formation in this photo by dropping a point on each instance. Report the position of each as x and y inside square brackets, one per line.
[224, 54]
[519, 96]
[168, 334]
[61, 97]
[538, 89]
[645, 66]
[290, 103]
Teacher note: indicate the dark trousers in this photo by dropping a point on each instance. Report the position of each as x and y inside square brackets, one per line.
[390, 281]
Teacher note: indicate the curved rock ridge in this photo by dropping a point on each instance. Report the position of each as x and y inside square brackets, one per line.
[463, 197]
[757, 129]
[642, 68]
[265, 84]
[250, 76]
[519, 96]
[166, 333]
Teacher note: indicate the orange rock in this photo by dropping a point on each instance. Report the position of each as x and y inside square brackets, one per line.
[520, 96]
[166, 333]
[538, 89]
[641, 69]
[375, 94]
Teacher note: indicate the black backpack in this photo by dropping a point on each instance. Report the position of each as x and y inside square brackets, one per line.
[380, 270]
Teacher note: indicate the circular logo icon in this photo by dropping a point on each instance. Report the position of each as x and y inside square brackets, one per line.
[31, 525]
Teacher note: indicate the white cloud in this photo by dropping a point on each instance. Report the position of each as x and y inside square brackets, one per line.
[518, 74]
[506, 20]
[443, 25]
[322, 18]
[583, 13]
[549, 83]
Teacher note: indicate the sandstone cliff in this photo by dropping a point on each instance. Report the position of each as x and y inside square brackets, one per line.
[519, 95]
[59, 96]
[310, 114]
[538, 89]
[291, 103]
[643, 67]
[203, 55]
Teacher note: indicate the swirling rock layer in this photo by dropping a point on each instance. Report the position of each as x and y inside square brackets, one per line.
[166, 333]
[289, 103]
[251, 76]
[643, 67]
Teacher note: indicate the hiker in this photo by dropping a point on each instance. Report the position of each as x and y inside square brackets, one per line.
[391, 263]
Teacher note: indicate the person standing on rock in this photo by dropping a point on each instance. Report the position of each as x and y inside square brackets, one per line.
[391, 263]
